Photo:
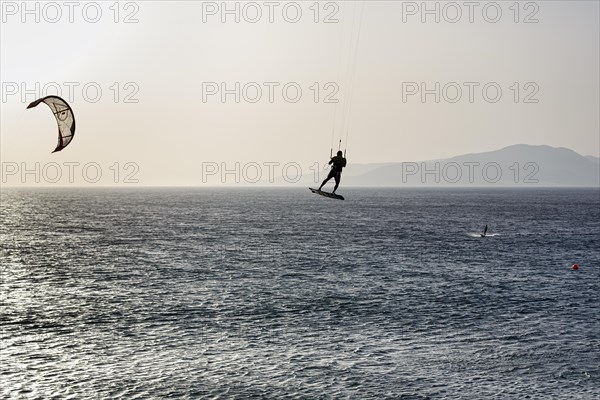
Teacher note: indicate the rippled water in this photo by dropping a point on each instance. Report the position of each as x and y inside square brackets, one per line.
[122, 293]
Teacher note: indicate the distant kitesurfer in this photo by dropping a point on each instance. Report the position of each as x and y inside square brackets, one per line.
[484, 232]
[337, 164]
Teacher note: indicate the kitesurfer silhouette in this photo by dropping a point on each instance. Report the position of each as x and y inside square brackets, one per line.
[484, 232]
[337, 164]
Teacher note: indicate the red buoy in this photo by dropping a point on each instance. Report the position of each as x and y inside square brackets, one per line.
[575, 267]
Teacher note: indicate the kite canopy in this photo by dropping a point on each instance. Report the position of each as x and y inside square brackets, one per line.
[64, 118]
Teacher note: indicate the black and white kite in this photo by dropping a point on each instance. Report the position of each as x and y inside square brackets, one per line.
[64, 118]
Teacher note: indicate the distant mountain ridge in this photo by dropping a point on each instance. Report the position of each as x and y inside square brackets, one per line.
[593, 159]
[516, 165]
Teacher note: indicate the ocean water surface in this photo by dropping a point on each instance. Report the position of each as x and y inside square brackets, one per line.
[280, 293]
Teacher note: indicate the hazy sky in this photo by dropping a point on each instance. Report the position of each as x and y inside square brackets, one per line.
[176, 51]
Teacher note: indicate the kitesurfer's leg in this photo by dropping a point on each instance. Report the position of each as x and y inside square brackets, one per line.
[331, 175]
[337, 181]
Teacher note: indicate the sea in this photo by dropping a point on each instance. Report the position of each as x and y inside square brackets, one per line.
[252, 293]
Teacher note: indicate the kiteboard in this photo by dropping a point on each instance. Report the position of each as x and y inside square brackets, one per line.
[327, 194]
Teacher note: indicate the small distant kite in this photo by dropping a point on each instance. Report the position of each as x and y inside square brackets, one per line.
[64, 117]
